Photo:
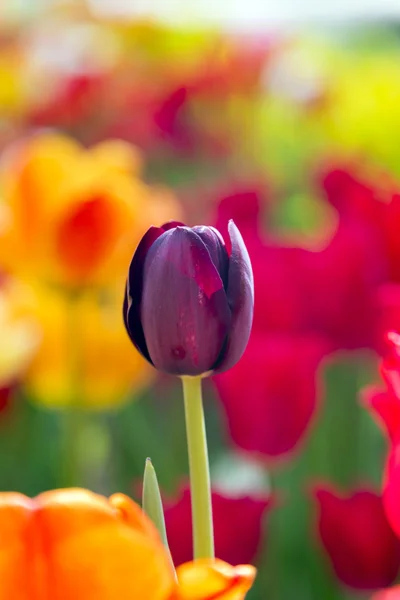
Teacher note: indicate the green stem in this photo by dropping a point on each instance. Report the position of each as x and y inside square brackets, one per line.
[203, 535]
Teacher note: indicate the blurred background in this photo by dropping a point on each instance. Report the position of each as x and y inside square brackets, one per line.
[283, 116]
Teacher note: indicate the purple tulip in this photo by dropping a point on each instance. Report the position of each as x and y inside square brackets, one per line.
[188, 305]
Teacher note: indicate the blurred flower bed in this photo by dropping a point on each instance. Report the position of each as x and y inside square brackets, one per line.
[109, 126]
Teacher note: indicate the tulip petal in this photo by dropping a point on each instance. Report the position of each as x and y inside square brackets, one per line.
[171, 225]
[270, 396]
[216, 246]
[214, 580]
[363, 549]
[386, 408]
[133, 292]
[184, 310]
[240, 293]
[72, 543]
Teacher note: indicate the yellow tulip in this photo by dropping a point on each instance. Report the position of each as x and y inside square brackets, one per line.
[69, 223]
[74, 215]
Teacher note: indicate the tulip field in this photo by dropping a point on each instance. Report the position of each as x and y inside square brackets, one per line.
[199, 309]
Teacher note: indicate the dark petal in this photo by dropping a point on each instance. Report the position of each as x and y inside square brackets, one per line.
[172, 225]
[134, 288]
[216, 247]
[184, 312]
[240, 293]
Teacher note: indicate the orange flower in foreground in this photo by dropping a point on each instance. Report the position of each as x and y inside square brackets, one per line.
[73, 543]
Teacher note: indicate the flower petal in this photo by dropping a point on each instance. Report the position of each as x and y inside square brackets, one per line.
[271, 395]
[386, 408]
[72, 543]
[214, 580]
[238, 526]
[216, 246]
[364, 551]
[172, 225]
[240, 293]
[184, 310]
[133, 292]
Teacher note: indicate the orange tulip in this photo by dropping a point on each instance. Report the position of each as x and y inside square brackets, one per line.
[73, 543]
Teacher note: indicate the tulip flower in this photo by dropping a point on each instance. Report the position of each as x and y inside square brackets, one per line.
[278, 377]
[238, 526]
[70, 220]
[385, 404]
[73, 216]
[188, 309]
[354, 530]
[73, 543]
[353, 198]
[203, 322]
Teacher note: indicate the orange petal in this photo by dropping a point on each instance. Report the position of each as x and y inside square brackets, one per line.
[15, 515]
[214, 580]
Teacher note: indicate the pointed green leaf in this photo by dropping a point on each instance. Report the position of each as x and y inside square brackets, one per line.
[151, 501]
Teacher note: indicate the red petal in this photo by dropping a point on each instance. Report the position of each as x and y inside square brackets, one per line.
[354, 530]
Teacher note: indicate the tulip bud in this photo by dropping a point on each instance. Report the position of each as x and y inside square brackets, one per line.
[189, 301]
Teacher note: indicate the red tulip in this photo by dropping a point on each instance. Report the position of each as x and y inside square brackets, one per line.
[238, 526]
[189, 299]
[241, 202]
[352, 197]
[329, 293]
[340, 286]
[169, 119]
[362, 548]
[391, 236]
[270, 396]
[386, 405]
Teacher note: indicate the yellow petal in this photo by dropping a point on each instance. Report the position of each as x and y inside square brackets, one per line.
[97, 346]
[214, 580]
